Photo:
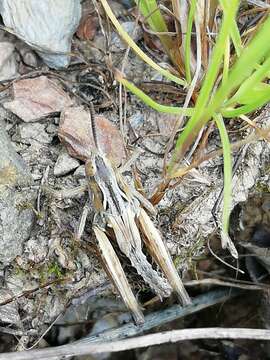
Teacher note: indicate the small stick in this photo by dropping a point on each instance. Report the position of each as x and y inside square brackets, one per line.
[104, 342]
[81, 225]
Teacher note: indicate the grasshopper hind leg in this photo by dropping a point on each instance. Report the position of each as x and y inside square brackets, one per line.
[162, 257]
[116, 272]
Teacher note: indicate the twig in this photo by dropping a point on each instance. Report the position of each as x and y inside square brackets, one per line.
[223, 261]
[93, 345]
[259, 3]
[33, 290]
[165, 316]
[226, 283]
[44, 333]
[142, 341]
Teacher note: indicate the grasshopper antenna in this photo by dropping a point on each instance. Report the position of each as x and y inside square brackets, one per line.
[93, 124]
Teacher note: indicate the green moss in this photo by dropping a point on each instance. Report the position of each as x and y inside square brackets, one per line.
[261, 187]
[27, 205]
[55, 269]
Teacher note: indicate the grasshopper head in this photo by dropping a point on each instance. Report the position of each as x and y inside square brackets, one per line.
[90, 167]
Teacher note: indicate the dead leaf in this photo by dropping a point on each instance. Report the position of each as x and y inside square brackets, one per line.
[34, 98]
[75, 132]
[88, 23]
[88, 27]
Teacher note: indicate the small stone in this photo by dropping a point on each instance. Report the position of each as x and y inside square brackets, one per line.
[129, 27]
[52, 129]
[84, 260]
[8, 64]
[38, 97]
[30, 59]
[9, 312]
[75, 133]
[65, 164]
[36, 249]
[16, 214]
[80, 172]
[34, 131]
[136, 120]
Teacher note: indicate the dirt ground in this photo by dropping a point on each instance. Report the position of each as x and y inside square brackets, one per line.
[56, 282]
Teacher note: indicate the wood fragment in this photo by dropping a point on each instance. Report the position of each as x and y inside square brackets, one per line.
[104, 342]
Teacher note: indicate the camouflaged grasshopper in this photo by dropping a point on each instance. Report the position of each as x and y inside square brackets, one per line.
[121, 209]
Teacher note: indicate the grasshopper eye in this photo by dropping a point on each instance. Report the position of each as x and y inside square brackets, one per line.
[90, 168]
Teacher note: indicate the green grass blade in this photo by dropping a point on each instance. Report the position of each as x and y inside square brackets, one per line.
[227, 166]
[150, 102]
[198, 120]
[250, 82]
[245, 109]
[157, 24]
[136, 48]
[234, 31]
[188, 40]
[151, 12]
[236, 39]
[241, 70]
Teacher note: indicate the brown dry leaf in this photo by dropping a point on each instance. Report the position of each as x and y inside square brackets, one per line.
[88, 23]
[75, 132]
[88, 27]
[34, 98]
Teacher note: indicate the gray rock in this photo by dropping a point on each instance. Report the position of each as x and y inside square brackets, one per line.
[9, 312]
[34, 131]
[80, 172]
[16, 215]
[65, 164]
[136, 120]
[8, 64]
[46, 25]
[36, 98]
[36, 249]
[129, 27]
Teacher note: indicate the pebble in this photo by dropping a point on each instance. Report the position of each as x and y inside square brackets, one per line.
[136, 120]
[65, 164]
[36, 98]
[34, 131]
[8, 64]
[16, 214]
[9, 312]
[128, 26]
[80, 172]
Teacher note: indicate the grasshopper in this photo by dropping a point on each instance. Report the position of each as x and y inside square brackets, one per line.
[120, 211]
